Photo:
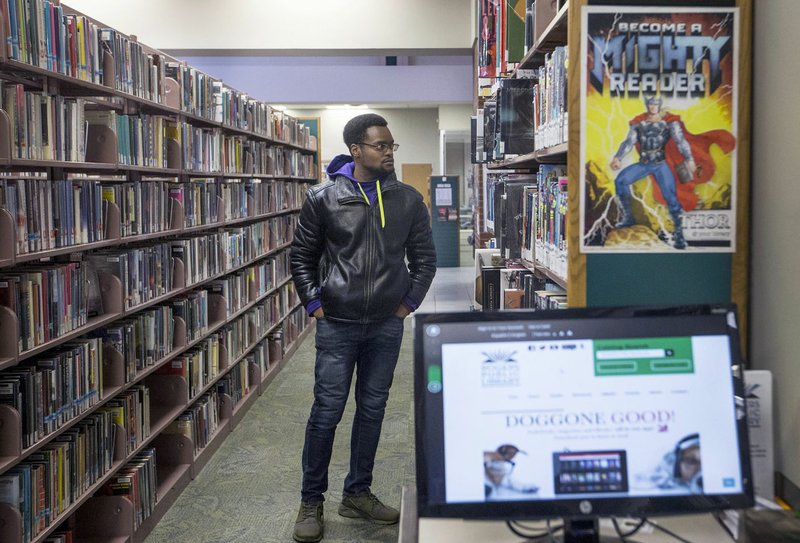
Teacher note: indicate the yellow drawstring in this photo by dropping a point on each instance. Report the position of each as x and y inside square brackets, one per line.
[364, 193]
[380, 201]
[380, 206]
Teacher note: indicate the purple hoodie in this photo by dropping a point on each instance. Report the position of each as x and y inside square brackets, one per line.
[344, 165]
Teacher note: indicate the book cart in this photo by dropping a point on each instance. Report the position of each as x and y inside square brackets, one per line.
[146, 293]
[593, 279]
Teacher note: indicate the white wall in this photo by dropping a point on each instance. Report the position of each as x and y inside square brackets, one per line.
[775, 295]
[415, 129]
[288, 24]
[455, 116]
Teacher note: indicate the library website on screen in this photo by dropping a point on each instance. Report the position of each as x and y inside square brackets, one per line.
[566, 419]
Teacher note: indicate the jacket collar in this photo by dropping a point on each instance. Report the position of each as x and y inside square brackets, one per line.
[346, 192]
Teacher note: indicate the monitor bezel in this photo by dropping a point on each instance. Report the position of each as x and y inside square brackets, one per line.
[577, 508]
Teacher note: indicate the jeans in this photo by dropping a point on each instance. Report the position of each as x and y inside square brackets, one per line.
[371, 350]
[663, 176]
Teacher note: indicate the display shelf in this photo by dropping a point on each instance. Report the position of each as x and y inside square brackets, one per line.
[531, 160]
[543, 271]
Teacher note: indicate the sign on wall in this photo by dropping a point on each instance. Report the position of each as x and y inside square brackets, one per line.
[658, 129]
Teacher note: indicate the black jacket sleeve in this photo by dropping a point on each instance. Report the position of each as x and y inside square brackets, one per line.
[421, 254]
[307, 250]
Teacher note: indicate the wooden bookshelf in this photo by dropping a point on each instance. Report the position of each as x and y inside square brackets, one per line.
[267, 250]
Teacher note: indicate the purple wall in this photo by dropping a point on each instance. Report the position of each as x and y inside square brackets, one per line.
[353, 80]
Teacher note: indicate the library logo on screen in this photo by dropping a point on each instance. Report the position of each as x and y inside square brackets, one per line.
[500, 369]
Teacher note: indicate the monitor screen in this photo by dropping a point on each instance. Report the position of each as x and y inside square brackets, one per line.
[580, 413]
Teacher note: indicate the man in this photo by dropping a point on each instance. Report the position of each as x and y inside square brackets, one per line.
[349, 265]
[651, 132]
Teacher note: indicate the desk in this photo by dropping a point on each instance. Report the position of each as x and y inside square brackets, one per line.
[695, 528]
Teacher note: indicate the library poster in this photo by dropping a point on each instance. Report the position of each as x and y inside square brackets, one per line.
[658, 130]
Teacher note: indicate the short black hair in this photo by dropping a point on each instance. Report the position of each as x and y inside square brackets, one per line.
[356, 128]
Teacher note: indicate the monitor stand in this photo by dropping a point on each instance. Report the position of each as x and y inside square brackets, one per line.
[586, 531]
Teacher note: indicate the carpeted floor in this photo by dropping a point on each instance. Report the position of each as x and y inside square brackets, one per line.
[249, 490]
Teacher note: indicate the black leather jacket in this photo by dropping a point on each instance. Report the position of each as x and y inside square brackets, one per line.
[343, 256]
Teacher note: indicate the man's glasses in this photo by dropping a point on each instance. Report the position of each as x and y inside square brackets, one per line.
[382, 147]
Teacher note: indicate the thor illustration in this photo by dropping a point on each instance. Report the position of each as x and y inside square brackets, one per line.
[650, 132]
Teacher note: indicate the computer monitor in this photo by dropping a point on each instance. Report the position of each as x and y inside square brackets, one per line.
[580, 413]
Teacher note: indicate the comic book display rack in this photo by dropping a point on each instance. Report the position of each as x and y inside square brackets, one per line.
[586, 100]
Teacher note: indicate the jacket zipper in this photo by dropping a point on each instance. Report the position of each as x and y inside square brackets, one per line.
[368, 283]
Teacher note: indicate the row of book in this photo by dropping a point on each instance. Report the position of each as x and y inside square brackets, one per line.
[295, 323]
[236, 383]
[244, 332]
[54, 389]
[135, 71]
[550, 118]
[141, 139]
[508, 31]
[192, 308]
[199, 423]
[503, 284]
[507, 120]
[145, 273]
[49, 301]
[291, 130]
[243, 156]
[206, 97]
[528, 213]
[149, 336]
[47, 482]
[237, 109]
[199, 365]
[50, 480]
[501, 40]
[44, 485]
[142, 339]
[43, 126]
[522, 289]
[209, 150]
[138, 482]
[147, 206]
[55, 213]
[52, 127]
[203, 257]
[525, 114]
[267, 196]
[39, 33]
[545, 219]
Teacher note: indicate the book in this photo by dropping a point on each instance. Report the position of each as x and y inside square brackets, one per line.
[515, 117]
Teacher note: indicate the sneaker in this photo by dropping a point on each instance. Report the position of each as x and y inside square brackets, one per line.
[308, 526]
[369, 507]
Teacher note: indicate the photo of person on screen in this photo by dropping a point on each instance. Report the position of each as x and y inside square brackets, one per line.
[498, 467]
[688, 467]
[681, 467]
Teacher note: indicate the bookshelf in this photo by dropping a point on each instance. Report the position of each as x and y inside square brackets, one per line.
[597, 279]
[145, 297]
